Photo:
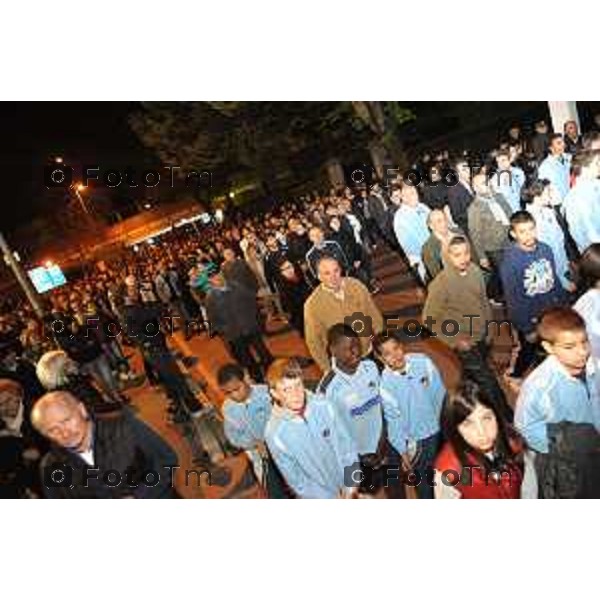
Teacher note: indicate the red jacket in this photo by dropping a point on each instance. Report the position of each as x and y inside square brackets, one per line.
[508, 487]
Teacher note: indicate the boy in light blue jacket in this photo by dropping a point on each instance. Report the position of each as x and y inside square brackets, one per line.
[565, 387]
[582, 204]
[411, 229]
[246, 411]
[412, 392]
[556, 167]
[352, 388]
[312, 449]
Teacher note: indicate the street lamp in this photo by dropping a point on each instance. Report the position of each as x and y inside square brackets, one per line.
[78, 188]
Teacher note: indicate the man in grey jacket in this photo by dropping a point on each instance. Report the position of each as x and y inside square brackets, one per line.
[489, 223]
[232, 312]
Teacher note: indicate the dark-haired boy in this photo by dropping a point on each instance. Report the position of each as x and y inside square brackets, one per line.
[412, 392]
[558, 408]
[530, 284]
[352, 387]
[246, 411]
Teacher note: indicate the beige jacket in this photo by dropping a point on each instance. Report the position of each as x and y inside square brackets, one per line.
[323, 309]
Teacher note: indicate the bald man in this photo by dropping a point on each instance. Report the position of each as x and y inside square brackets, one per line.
[338, 299]
[104, 456]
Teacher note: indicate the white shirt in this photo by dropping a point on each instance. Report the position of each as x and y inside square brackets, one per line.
[588, 306]
[87, 457]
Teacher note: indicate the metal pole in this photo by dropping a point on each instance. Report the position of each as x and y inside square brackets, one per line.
[26, 286]
[82, 202]
[561, 112]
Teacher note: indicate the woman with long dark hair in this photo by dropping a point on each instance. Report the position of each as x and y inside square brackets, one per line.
[483, 457]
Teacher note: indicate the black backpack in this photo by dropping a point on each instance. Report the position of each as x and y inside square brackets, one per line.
[571, 469]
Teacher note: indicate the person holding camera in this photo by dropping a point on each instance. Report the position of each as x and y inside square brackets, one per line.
[338, 300]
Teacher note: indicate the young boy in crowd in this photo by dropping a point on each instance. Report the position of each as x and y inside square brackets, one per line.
[246, 411]
[565, 387]
[306, 438]
[530, 284]
[352, 387]
[412, 392]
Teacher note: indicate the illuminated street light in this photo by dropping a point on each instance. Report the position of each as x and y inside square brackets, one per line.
[231, 195]
[78, 188]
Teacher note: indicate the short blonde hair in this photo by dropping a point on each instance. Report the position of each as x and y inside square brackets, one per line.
[283, 368]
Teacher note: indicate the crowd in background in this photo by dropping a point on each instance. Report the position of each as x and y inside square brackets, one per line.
[517, 234]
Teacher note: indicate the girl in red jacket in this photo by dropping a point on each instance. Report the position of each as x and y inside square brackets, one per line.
[483, 458]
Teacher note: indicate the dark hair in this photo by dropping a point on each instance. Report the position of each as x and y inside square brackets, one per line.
[589, 265]
[323, 257]
[457, 407]
[229, 372]
[337, 332]
[558, 319]
[553, 137]
[379, 339]
[458, 240]
[521, 216]
[535, 190]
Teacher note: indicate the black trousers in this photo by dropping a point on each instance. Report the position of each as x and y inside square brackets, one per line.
[527, 357]
[252, 353]
[165, 366]
[476, 368]
[494, 283]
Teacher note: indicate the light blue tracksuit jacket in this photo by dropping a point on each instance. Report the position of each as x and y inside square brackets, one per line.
[582, 210]
[557, 170]
[357, 400]
[311, 451]
[412, 401]
[551, 395]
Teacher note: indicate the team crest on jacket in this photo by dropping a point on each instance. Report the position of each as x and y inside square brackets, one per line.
[425, 381]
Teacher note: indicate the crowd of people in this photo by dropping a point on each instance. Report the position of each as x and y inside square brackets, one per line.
[518, 234]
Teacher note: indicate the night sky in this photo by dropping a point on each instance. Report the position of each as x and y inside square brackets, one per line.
[85, 132]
